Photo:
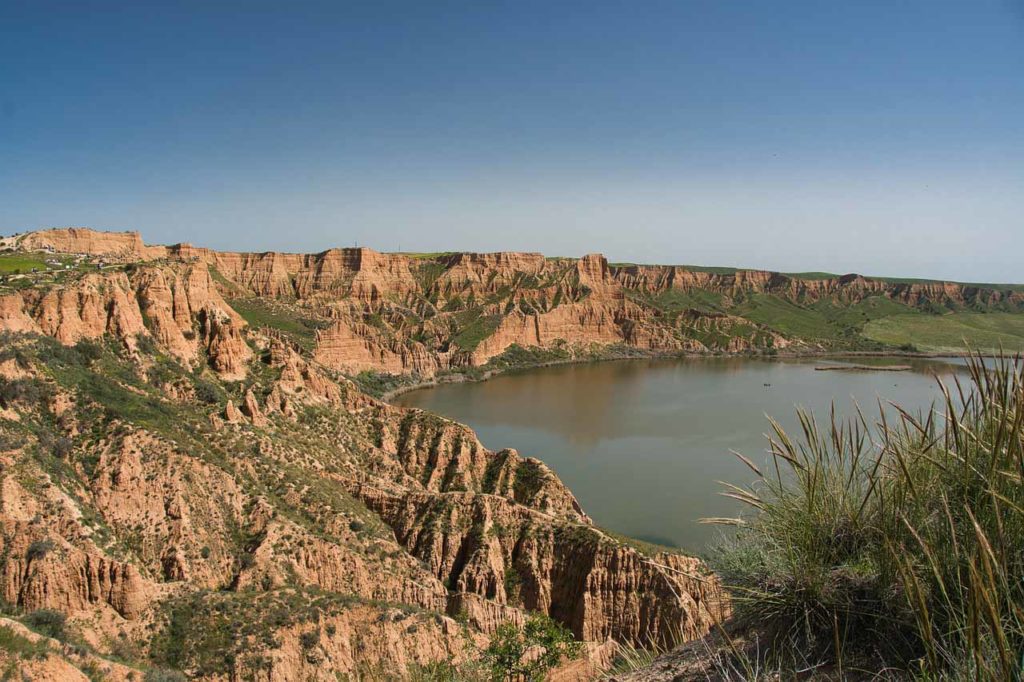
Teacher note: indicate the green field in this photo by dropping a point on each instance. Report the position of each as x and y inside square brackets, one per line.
[20, 262]
[981, 331]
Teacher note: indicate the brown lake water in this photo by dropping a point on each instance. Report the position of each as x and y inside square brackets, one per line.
[642, 443]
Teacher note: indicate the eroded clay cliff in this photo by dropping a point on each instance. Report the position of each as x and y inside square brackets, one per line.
[214, 498]
[424, 315]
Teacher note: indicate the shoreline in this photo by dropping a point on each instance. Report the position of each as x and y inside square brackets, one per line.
[461, 378]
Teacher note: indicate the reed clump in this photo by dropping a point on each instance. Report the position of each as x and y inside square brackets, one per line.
[894, 547]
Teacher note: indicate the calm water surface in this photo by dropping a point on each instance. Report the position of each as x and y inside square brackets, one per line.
[642, 442]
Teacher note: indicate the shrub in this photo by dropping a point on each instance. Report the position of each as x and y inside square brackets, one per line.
[27, 391]
[308, 640]
[904, 541]
[207, 391]
[89, 350]
[446, 671]
[21, 646]
[47, 622]
[61, 447]
[528, 654]
[11, 441]
[39, 549]
[163, 675]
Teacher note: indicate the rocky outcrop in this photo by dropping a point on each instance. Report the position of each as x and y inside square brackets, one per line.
[506, 529]
[176, 306]
[512, 555]
[227, 351]
[125, 246]
[362, 274]
[353, 347]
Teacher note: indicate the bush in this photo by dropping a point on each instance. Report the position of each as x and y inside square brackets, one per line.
[89, 350]
[528, 654]
[163, 675]
[207, 391]
[11, 441]
[308, 640]
[61, 447]
[26, 391]
[47, 622]
[20, 646]
[39, 549]
[904, 542]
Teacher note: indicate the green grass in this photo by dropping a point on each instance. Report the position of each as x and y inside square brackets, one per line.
[261, 313]
[426, 255]
[811, 275]
[825, 321]
[981, 331]
[786, 317]
[21, 262]
[470, 335]
[895, 546]
[674, 301]
[228, 285]
[21, 646]
[980, 285]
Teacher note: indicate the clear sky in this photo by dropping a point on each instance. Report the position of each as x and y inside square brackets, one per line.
[880, 137]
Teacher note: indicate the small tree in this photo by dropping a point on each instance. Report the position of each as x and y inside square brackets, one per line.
[516, 655]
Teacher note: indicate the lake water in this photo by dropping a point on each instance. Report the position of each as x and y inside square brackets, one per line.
[642, 443]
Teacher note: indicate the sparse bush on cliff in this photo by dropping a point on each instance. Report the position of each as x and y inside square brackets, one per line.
[47, 622]
[902, 545]
[29, 392]
[39, 549]
[527, 654]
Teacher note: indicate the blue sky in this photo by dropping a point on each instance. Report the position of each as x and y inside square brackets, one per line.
[871, 137]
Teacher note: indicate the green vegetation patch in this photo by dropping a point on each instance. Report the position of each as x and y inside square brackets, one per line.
[14, 263]
[674, 302]
[293, 323]
[219, 278]
[813, 275]
[21, 646]
[470, 336]
[211, 633]
[826, 321]
[379, 383]
[980, 331]
[786, 317]
[894, 547]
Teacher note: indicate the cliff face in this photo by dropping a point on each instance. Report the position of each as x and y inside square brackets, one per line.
[177, 307]
[125, 246]
[218, 499]
[844, 289]
[421, 315]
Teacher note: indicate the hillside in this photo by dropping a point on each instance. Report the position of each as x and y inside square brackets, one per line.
[193, 493]
[357, 310]
[194, 473]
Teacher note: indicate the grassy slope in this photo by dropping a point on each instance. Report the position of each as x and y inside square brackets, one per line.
[948, 332]
[261, 313]
[824, 321]
[21, 262]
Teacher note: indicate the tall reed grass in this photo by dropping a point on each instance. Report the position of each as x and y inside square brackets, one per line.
[893, 547]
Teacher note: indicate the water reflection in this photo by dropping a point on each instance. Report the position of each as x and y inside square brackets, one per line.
[642, 443]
